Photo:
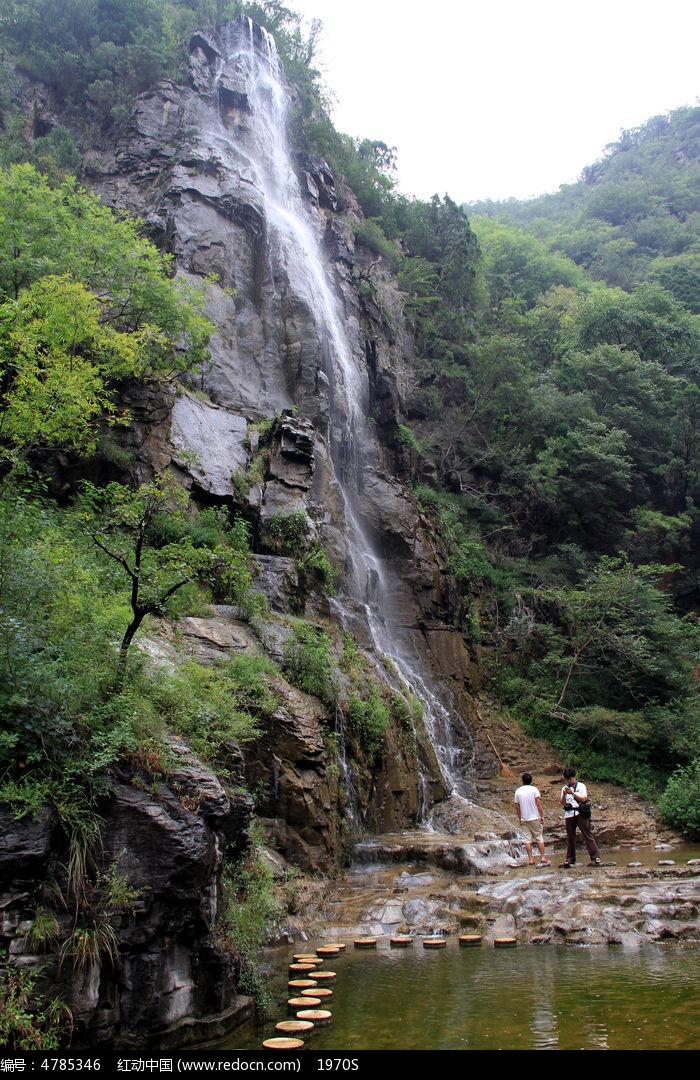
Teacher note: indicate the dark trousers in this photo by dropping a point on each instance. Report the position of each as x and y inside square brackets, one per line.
[584, 824]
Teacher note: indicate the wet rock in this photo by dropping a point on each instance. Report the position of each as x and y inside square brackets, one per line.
[291, 456]
[297, 794]
[208, 443]
[389, 914]
[277, 578]
[542, 905]
[218, 636]
[26, 845]
[167, 841]
[339, 242]
[414, 880]
[418, 912]
[318, 180]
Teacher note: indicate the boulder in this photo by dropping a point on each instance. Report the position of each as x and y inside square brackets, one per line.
[208, 443]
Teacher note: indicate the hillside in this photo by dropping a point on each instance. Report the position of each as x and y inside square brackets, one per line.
[633, 214]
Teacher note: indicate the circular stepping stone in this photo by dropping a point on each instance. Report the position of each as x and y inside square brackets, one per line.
[316, 1016]
[294, 1004]
[324, 977]
[294, 1027]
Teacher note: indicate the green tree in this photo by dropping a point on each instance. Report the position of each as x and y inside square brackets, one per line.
[85, 303]
[58, 620]
[619, 203]
[649, 322]
[681, 473]
[629, 392]
[65, 230]
[638, 204]
[680, 803]
[680, 276]
[59, 365]
[134, 529]
[606, 673]
[620, 627]
[583, 477]
[517, 267]
[438, 275]
[440, 232]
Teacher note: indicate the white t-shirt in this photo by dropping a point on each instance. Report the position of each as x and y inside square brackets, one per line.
[525, 797]
[571, 805]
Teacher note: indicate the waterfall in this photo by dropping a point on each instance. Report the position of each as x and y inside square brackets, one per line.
[294, 234]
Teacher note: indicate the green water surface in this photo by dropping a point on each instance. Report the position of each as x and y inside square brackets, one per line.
[525, 998]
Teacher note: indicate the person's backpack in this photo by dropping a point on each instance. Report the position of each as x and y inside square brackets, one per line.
[584, 808]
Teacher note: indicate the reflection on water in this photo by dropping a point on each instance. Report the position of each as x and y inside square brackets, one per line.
[527, 998]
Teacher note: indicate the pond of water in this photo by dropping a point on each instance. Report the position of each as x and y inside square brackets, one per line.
[525, 998]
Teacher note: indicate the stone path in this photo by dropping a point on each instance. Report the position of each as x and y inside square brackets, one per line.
[427, 883]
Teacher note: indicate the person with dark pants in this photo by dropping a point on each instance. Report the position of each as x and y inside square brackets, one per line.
[573, 794]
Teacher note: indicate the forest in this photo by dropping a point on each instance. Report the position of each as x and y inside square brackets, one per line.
[551, 436]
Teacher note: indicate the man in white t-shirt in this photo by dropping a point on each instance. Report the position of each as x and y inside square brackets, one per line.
[528, 809]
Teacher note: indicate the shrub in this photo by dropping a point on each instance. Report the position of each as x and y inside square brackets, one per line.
[213, 706]
[246, 918]
[370, 233]
[287, 534]
[308, 660]
[44, 930]
[369, 719]
[88, 945]
[405, 437]
[680, 802]
[27, 1021]
[407, 709]
[317, 561]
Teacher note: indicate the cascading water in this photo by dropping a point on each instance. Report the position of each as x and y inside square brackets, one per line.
[369, 583]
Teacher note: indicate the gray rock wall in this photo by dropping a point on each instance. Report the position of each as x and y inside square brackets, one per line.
[188, 167]
[160, 976]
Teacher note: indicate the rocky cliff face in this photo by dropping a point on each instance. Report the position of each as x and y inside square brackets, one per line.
[294, 342]
[200, 167]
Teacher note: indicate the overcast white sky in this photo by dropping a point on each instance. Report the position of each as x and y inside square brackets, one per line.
[499, 97]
